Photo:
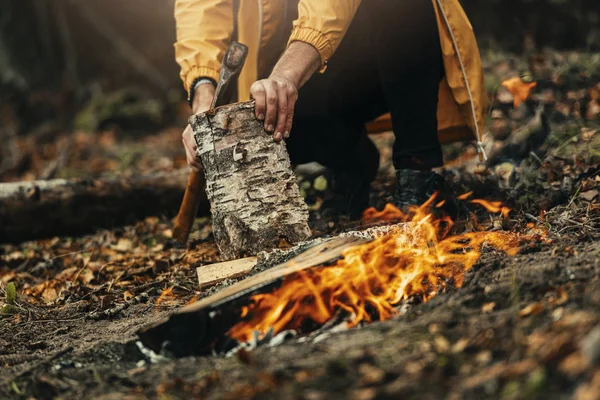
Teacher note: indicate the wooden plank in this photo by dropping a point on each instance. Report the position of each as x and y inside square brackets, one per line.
[192, 329]
[215, 273]
[318, 255]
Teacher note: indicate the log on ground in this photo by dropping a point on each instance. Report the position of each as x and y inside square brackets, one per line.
[254, 195]
[57, 207]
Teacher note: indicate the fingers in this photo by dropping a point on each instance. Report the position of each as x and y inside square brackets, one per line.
[282, 110]
[257, 92]
[271, 96]
[190, 148]
[275, 100]
[292, 96]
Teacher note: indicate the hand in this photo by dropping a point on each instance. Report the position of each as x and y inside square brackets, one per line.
[203, 98]
[275, 99]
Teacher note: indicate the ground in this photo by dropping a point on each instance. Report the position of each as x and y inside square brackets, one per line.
[521, 327]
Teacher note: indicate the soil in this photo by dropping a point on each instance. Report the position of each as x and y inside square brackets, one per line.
[518, 328]
[522, 327]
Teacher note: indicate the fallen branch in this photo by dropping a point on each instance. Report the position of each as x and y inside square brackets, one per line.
[37, 209]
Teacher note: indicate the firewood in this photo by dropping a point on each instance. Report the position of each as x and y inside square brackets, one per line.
[253, 193]
[215, 273]
[37, 209]
[192, 329]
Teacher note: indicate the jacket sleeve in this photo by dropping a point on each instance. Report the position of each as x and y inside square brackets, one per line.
[204, 29]
[323, 24]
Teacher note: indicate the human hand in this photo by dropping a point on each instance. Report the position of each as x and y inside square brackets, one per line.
[203, 98]
[275, 98]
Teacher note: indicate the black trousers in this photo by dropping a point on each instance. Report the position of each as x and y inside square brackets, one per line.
[389, 61]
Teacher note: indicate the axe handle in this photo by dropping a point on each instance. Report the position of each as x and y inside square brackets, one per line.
[182, 224]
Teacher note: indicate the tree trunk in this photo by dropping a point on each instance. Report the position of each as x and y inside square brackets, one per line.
[36, 209]
[253, 193]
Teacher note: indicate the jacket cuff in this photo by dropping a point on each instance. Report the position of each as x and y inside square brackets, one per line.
[196, 72]
[316, 39]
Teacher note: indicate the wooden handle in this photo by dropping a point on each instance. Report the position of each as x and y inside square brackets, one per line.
[182, 225]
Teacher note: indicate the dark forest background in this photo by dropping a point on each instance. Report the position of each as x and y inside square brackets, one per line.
[59, 56]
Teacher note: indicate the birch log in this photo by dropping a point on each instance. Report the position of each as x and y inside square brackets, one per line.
[253, 193]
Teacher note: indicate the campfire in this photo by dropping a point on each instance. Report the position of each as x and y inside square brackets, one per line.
[416, 259]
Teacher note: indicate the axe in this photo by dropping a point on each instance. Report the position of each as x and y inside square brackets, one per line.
[233, 61]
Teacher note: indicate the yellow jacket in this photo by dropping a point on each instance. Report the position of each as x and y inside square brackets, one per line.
[205, 27]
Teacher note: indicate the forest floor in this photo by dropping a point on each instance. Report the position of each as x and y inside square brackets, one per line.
[520, 327]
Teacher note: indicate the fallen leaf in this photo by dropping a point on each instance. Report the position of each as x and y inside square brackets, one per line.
[573, 365]
[560, 297]
[370, 375]
[123, 245]
[442, 345]
[364, 394]
[488, 307]
[589, 390]
[460, 346]
[532, 309]
[50, 295]
[519, 89]
[589, 195]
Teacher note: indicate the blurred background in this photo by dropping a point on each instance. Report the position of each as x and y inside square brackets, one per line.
[90, 87]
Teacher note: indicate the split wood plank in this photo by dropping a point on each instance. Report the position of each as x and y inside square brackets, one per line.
[214, 273]
[317, 255]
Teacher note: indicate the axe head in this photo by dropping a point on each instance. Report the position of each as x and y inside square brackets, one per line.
[232, 64]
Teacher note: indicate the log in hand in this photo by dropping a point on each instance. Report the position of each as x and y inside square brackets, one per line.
[276, 96]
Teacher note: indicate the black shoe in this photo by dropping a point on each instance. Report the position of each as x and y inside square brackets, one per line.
[414, 188]
[347, 196]
[349, 182]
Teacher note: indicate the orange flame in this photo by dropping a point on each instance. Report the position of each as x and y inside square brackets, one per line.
[493, 206]
[165, 297]
[415, 259]
[519, 89]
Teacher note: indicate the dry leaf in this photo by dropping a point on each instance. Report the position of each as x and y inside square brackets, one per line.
[519, 89]
[442, 345]
[532, 309]
[66, 274]
[488, 307]
[560, 297]
[589, 195]
[460, 346]
[364, 394]
[123, 245]
[370, 375]
[49, 295]
[573, 365]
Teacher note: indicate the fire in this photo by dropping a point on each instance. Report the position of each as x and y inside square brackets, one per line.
[415, 259]
[519, 89]
[493, 206]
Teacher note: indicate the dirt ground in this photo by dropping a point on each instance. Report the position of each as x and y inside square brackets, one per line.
[522, 327]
